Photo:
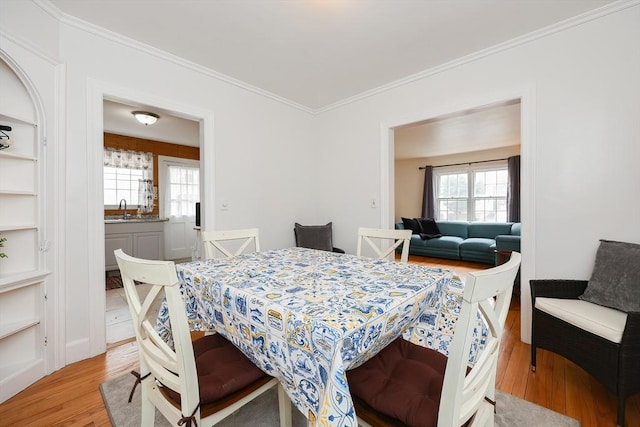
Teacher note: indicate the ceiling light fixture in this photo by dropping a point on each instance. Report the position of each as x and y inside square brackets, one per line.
[145, 117]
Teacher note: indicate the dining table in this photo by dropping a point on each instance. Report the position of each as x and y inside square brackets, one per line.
[307, 316]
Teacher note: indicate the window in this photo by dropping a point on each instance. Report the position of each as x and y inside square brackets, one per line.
[472, 193]
[453, 192]
[123, 171]
[184, 190]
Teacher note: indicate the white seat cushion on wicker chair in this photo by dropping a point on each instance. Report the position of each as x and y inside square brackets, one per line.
[605, 322]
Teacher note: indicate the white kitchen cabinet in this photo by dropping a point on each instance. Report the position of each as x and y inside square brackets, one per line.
[113, 242]
[138, 238]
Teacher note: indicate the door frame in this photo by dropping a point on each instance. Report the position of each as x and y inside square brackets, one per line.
[97, 92]
[527, 98]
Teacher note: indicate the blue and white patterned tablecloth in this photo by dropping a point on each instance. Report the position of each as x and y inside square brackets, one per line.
[306, 316]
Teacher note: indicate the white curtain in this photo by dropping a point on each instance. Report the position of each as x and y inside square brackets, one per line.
[145, 195]
[183, 191]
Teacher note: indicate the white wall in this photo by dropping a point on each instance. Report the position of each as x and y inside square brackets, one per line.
[579, 159]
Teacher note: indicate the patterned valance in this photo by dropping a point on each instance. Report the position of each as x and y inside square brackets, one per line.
[118, 158]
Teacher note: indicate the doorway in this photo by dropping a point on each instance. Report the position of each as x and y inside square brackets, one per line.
[98, 93]
[526, 98]
[134, 157]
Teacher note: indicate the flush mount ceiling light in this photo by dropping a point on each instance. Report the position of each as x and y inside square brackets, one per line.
[145, 117]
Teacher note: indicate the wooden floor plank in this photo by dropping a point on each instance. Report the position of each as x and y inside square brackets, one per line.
[558, 395]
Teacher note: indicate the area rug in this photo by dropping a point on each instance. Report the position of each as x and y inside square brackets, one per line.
[263, 411]
[113, 281]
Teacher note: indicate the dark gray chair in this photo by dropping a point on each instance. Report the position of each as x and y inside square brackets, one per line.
[315, 237]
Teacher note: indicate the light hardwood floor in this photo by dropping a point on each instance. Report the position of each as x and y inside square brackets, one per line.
[71, 396]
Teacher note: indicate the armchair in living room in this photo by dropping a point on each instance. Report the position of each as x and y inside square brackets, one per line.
[595, 323]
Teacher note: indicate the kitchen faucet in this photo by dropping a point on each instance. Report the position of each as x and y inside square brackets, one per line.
[124, 215]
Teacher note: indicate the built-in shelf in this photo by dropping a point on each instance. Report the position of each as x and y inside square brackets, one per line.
[16, 119]
[18, 193]
[21, 280]
[18, 227]
[11, 155]
[13, 328]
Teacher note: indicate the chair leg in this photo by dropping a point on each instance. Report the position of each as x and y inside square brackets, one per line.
[148, 410]
[533, 343]
[533, 357]
[284, 406]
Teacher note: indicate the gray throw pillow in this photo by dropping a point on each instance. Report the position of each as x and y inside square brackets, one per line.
[615, 281]
[314, 236]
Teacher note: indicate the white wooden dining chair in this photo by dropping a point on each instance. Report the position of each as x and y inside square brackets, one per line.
[392, 386]
[216, 242]
[194, 383]
[399, 237]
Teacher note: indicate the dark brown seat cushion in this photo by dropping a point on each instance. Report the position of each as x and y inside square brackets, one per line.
[222, 370]
[403, 381]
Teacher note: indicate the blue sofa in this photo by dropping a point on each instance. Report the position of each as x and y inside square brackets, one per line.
[468, 241]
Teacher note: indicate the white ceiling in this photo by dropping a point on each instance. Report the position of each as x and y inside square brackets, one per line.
[479, 129]
[315, 53]
[117, 118]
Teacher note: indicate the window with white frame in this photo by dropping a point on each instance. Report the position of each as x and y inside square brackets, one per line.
[122, 173]
[184, 190]
[472, 193]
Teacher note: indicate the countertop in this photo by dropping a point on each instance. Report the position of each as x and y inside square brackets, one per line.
[133, 219]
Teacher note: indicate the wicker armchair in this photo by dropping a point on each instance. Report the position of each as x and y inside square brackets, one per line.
[616, 365]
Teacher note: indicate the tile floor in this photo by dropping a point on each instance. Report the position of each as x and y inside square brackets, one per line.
[118, 318]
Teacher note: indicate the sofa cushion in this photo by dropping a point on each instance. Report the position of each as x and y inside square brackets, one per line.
[478, 249]
[454, 228]
[507, 242]
[444, 242]
[477, 244]
[516, 229]
[615, 280]
[412, 224]
[489, 230]
[605, 322]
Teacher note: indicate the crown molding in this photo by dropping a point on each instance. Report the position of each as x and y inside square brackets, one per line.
[28, 46]
[518, 41]
[600, 12]
[90, 28]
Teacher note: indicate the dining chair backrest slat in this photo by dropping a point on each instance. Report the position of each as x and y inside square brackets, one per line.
[215, 242]
[398, 237]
